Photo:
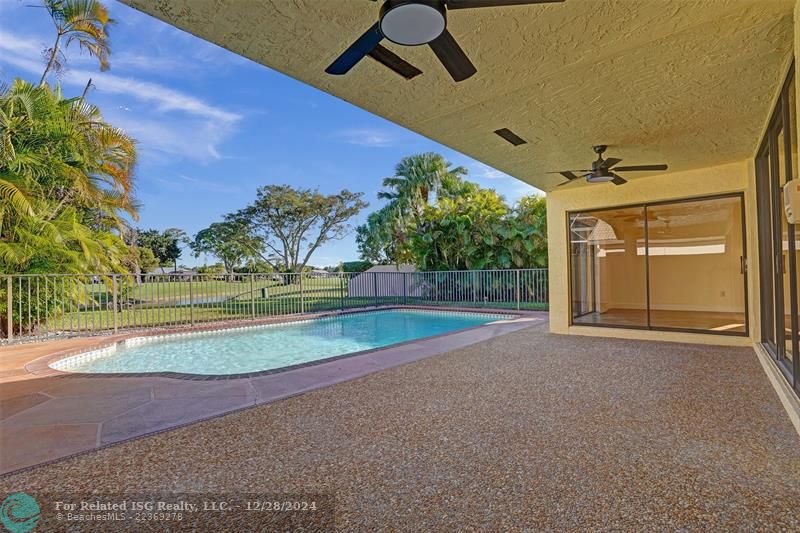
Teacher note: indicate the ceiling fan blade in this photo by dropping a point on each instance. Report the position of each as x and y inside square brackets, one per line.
[569, 175]
[363, 46]
[573, 170]
[467, 4]
[618, 180]
[611, 161]
[394, 62]
[452, 56]
[635, 168]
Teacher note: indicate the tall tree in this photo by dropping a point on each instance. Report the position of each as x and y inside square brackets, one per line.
[461, 233]
[377, 240]
[83, 21]
[229, 241]
[531, 213]
[292, 223]
[477, 230]
[166, 245]
[417, 179]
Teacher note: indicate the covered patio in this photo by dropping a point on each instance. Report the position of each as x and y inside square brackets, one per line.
[634, 405]
[525, 430]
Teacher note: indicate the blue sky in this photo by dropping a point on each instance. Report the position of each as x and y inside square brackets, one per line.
[213, 126]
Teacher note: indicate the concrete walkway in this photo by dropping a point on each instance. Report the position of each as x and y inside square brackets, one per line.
[525, 430]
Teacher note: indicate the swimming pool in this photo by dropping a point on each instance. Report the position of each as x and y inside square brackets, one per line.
[269, 347]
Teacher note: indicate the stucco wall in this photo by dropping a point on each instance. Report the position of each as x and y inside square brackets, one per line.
[733, 177]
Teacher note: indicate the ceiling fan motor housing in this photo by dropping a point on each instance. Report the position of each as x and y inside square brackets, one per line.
[412, 22]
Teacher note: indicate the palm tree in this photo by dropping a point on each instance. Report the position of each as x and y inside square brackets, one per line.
[66, 184]
[416, 179]
[84, 21]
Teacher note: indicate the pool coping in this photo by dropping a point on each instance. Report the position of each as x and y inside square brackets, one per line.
[41, 366]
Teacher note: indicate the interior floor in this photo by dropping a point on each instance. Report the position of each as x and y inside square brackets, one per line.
[703, 320]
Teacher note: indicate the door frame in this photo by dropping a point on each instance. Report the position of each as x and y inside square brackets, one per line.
[770, 232]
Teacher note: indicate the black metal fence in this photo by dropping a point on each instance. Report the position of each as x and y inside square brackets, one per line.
[57, 305]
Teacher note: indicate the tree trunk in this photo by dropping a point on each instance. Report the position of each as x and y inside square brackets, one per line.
[51, 60]
[86, 90]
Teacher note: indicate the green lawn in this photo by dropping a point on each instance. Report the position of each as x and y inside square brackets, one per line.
[207, 289]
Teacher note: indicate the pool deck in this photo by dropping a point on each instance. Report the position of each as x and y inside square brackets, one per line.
[523, 431]
[47, 415]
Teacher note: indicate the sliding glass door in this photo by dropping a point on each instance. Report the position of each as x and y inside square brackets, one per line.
[776, 163]
[676, 265]
[609, 283]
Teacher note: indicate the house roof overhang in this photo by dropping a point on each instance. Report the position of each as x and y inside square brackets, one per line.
[684, 82]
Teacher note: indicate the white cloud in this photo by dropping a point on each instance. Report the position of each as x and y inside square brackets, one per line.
[485, 171]
[195, 139]
[148, 63]
[373, 138]
[24, 46]
[25, 54]
[196, 134]
[181, 182]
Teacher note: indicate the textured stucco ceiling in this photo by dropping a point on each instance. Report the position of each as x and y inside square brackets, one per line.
[683, 82]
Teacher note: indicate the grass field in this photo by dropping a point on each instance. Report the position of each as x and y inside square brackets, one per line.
[205, 289]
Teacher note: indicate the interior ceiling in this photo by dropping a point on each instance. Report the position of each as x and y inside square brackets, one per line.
[712, 217]
[683, 82]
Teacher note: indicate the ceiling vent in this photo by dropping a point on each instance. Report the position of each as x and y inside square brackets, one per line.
[510, 136]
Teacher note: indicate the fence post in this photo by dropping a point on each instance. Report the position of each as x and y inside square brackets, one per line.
[341, 290]
[517, 285]
[191, 299]
[375, 286]
[114, 301]
[252, 296]
[10, 308]
[302, 295]
[405, 288]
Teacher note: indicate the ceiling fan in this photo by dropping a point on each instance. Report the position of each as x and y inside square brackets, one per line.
[414, 23]
[604, 170]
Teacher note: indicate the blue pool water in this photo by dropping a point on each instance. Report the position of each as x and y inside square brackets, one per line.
[274, 346]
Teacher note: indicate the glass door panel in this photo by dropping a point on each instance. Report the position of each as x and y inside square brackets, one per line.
[790, 236]
[696, 265]
[782, 300]
[765, 252]
[777, 163]
[609, 286]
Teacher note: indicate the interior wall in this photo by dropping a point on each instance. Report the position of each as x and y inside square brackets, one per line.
[728, 178]
[706, 282]
[622, 282]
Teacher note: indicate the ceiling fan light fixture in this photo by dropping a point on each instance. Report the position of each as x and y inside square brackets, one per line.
[412, 23]
[599, 177]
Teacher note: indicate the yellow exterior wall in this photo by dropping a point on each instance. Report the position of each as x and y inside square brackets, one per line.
[733, 177]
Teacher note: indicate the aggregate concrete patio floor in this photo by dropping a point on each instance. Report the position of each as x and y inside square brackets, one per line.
[525, 430]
